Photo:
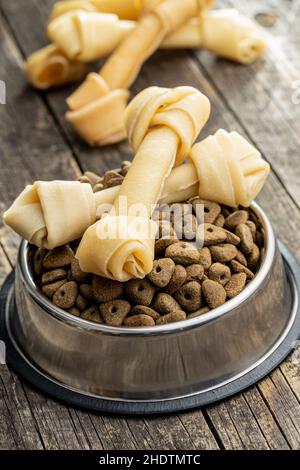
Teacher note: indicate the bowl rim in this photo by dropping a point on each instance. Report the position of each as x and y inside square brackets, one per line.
[170, 328]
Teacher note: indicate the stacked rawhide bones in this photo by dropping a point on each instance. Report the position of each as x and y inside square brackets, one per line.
[162, 126]
[86, 30]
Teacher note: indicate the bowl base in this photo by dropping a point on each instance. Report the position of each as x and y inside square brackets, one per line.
[30, 372]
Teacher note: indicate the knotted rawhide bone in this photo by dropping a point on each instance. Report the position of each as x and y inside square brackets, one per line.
[97, 107]
[124, 9]
[226, 33]
[50, 67]
[49, 214]
[162, 125]
[230, 170]
[89, 36]
[225, 168]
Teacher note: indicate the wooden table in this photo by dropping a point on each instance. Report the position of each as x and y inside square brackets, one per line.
[262, 101]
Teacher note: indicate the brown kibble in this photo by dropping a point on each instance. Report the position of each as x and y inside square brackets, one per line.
[77, 274]
[113, 182]
[139, 320]
[140, 291]
[244, 233]
[237, 267]
[87, 291]
[223, 253]
[190, 225]
[50, 289]
[255, 219]
[74, 311]
[241, 258]
[254, 258]
[93, 177]
[84, 179]
[214, 293]
[235, 285]
[92, 314]
[105, 290]
[189, 296]
[53, 276]
[162, 272]
[98, 187]
[38, 257]
[211, 210]
[205, 258]
[183, 253]
[171, 317]
[165, 303]
[220, 273]
[58, 257]
[110, 175]
[220, 221]
[162, 244]
[232, 238]
[177, 280]
[236, 218]
[194, 272]
[143, 310]
[213, 235]
[65, 296]
[115, 311]
[198, 313]
[81, 302]
[125, 165]
[252, 227]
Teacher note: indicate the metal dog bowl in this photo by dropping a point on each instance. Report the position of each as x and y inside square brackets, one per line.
[155, 369]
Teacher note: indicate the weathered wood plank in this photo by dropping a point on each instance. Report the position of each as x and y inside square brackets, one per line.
[284, 406]
[31, 145]
[17, 423]
[265, 420]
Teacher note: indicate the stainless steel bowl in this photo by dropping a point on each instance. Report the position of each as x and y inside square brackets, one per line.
[156, 363]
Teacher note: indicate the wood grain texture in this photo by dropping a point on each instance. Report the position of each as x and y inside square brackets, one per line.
[37, 143]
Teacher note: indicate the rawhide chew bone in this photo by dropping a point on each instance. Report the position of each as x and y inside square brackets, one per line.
[224, 168]
[50, 67]
[162, 125]
[89, 36]
[124, 9]
[49, 214]
[230, 170]
[97, 107]
[226, 33]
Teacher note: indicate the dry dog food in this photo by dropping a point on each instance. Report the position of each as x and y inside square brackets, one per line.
[186, 281]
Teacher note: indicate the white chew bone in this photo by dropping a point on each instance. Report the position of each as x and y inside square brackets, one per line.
[49, 214]
[162, 125]
[225, 168]
[97, 107]
[49, 67]
[230, 170]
